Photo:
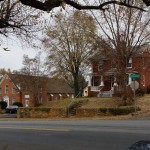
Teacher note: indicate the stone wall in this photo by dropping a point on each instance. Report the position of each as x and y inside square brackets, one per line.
[90, 113]
[80, 112]
[41, 113]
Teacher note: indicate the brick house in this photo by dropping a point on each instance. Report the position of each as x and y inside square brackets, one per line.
[102, 79]
[59, 89]
[26, 89]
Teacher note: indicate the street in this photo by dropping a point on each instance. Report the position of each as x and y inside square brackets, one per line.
[8, 115]
[72, 135]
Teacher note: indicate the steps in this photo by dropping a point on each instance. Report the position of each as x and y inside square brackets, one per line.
[72, 111]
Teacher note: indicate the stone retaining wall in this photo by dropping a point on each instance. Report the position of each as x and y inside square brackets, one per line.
[80, 112]
[90, 113]
[41, 113]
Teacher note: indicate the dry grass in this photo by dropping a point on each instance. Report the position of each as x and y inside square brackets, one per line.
[142, 102]
[92, 103]
[102, 103]
[58, 103]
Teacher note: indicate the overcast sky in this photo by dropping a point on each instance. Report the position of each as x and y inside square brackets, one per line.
[13, 59]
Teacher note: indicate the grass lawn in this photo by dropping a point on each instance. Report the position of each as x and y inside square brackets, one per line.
[91, 102]
[142, 102]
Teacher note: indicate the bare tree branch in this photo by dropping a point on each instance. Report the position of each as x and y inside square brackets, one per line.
[146, 2]
[48, 5]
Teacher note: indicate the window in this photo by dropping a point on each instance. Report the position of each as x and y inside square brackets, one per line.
[129, 65]
[13, 100]
[27, 91]
[0, 90]
[41, 90]
[13, 90]
[41, 100]
[100, 66]
[6, 89]
[143, 80]
[27, 103]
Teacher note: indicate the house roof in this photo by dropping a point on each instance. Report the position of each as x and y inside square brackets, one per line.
[54, 85]
[59, 86]
[139, 49]
[97, 57]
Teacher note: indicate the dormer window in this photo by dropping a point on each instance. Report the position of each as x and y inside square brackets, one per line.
[129, 65]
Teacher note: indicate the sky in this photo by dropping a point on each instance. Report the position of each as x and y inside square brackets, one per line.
[13, 59]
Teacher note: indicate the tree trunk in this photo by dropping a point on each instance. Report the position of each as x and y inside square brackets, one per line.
[124, 86]
[76, 86]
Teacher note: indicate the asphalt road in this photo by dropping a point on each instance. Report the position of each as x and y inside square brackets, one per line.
[72, 135]
[8, 115]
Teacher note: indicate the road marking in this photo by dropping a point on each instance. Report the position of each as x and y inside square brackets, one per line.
[42, 129]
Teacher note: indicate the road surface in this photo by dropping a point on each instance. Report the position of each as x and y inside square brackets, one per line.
[72, 135]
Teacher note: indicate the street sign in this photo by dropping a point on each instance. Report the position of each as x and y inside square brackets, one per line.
[134, 85]
[135, 75]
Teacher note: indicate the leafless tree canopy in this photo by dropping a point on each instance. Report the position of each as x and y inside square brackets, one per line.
[17, 19]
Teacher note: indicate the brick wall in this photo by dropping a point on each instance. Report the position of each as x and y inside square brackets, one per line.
[12, 95]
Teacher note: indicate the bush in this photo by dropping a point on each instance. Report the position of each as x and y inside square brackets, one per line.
[3, 104]
[103, 110]
[119, 110]
[118, 93]
[123, 110]
[19, 104]
[148, 89]
[47, 110]
[140, 91]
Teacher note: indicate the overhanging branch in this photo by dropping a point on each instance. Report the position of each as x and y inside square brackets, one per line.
[50, 4]
[101, 6]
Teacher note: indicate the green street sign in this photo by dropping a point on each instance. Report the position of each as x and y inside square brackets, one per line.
[134, 75]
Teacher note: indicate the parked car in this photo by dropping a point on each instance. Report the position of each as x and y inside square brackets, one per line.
[11, 109]
[140, 145]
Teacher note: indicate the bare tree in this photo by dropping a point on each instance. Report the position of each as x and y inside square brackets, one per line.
[35, 80]
[69, 42]
[123, 32]
[17, 20]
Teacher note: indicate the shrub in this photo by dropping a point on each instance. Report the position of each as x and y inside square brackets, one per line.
[47, 110]
[148, 89]
[3, 104]
[140, 91]
[119, 110]
[118, 93]
[123, 110]
[19, 104]
[103, 110]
